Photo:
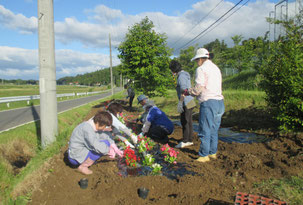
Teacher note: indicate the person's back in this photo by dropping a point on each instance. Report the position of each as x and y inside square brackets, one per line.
[157, 117]
[130, 92]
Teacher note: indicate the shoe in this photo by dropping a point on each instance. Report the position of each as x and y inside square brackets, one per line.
[83, 168]
[184, 144]
[213, 156]
[203, 159]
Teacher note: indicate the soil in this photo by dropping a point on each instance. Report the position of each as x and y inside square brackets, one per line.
[237, 168]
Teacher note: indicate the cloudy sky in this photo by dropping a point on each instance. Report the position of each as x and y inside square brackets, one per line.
[82, 29]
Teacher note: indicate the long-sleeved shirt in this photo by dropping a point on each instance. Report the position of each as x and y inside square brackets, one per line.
[208, 82]
[85, 138]
[183, 82]
[120, 127]
[156, 116]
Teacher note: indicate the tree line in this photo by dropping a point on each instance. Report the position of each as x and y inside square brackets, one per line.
[97, 78]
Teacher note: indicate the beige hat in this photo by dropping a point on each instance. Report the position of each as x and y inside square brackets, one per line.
[201, 53]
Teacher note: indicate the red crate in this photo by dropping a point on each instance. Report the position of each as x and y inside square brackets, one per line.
[249, 199]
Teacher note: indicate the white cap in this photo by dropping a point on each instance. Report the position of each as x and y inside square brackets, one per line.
[201, 53]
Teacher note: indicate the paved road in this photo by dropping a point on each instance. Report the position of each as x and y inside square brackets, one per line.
[13, 118]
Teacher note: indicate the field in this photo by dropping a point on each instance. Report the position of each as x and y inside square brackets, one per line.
[272, 169]
[8, 90]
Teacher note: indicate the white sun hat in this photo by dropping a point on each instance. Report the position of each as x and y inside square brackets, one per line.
[201, 53]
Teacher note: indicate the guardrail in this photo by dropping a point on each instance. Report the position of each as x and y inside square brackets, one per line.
[35, 97]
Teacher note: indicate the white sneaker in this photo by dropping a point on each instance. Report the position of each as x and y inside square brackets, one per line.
[184, 144]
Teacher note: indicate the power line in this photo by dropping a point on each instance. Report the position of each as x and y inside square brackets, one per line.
[209, 26]
[198, 22]
[225, 19]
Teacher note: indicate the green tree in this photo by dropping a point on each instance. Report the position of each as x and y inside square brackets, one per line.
[185, 60]
[145, 58]
[283, 76]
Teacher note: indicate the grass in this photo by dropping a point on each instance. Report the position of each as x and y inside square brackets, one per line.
[289, 189]
[246, 80]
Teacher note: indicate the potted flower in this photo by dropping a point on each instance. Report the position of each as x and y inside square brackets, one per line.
[156, 169]
[170, 155]
[131, 161]
[148, 160]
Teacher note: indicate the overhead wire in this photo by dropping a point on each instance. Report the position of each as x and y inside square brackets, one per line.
[224, 19]
[198, 22]
[210, 26]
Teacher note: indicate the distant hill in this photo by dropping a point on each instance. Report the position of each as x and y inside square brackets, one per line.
[246, 80]
[100, 77]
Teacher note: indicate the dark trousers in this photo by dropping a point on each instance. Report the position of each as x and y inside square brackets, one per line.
[131, 101]
[187, 124]
[158, 134]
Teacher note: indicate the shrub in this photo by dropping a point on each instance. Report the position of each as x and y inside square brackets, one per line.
[283, 76]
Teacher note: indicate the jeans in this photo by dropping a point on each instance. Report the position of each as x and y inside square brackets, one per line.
[211, 112]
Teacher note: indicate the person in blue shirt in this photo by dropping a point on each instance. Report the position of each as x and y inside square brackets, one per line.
[157, 125]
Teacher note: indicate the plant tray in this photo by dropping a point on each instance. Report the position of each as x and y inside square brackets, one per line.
[249, 199]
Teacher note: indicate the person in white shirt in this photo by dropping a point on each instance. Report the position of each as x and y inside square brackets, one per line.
[208, 90]
[115, 109]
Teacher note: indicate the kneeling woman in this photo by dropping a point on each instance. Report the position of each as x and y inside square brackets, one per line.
[89, 142]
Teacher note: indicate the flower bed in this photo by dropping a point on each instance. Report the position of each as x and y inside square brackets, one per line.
[148, 158]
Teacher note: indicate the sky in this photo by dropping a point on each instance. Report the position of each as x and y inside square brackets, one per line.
[82, 29]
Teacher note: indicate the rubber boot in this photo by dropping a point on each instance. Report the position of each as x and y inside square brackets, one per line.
[83, 168]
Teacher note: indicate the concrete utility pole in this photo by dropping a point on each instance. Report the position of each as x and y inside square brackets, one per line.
[47, 76]
[272, 12]
[111, 69]
[276, 14]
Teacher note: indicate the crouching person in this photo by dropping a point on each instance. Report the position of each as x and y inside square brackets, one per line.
[156, 124]
[88, 142]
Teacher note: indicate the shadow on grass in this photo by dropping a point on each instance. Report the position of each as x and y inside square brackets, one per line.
[37, 122]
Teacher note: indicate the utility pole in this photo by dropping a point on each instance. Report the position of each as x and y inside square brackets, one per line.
[276, 14]
[47, 73]
[111, 69]
[272, 12]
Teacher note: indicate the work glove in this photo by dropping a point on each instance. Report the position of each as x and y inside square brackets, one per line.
[127, 143]
[113, 150]
[134, 139]
[186, 92]
[180, 107]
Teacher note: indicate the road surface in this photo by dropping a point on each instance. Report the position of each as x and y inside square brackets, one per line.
[10, 119]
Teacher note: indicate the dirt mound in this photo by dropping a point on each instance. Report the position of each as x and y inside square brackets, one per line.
[237, 168]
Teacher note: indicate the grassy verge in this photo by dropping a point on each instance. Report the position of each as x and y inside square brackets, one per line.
[290, 188]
